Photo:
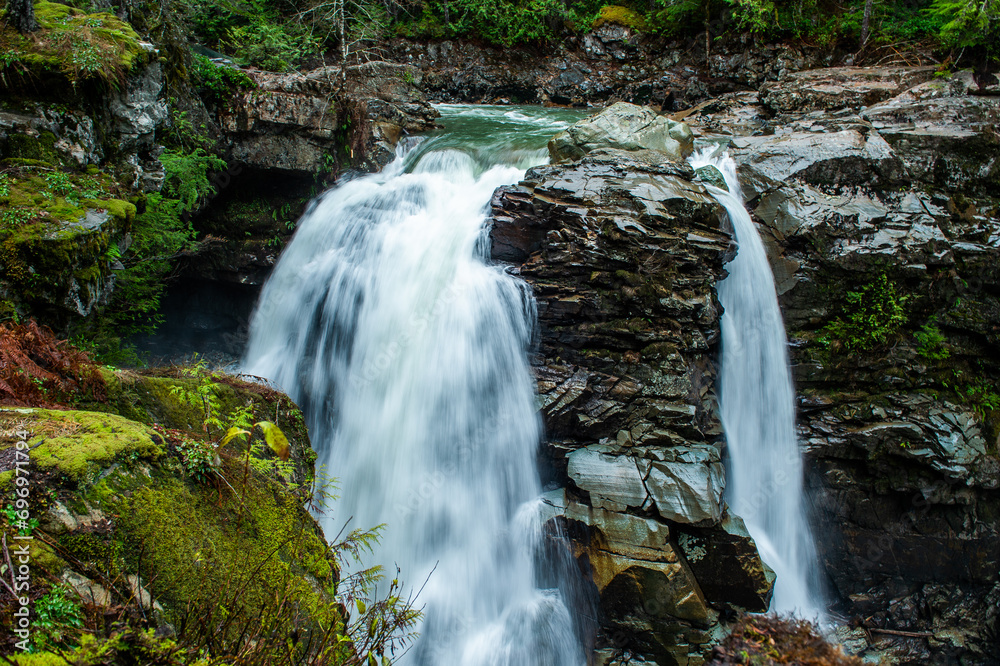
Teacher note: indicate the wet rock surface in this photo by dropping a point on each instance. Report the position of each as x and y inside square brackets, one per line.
[623, 250]
[840, 87]
[626, 127]
[882, 230]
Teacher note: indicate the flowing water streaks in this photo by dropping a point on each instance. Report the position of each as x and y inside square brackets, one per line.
[408, 352]
[757, 402]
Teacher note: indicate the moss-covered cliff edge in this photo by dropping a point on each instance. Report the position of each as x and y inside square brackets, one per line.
[138, 529]
[126, 156]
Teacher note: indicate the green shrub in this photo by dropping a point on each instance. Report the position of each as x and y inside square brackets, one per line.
[967, 23]
[677, 16]
[217, 83]
[269, 46]
[499, 22]
[868, 316]
[930, 343]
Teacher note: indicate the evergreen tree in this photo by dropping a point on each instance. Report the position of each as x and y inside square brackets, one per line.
[968, 22]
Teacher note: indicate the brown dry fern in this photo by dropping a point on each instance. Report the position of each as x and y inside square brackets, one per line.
[37, 369]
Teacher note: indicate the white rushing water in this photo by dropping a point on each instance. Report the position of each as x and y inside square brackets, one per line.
[408, 352]
[757, 401]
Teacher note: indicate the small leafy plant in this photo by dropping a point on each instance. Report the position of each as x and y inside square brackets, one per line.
[930, 343]
[200, 459]
[869, 316]
[56, 618]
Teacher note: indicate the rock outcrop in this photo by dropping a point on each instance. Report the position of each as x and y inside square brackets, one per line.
[623, 250]
[882, 231]
[297, 122]
[130, 504]
[840, 87]
[610, 64]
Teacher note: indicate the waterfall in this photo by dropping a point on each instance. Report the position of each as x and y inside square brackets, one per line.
[408, 352]
[757, 401]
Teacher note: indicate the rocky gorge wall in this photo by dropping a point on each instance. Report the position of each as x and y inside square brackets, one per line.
[875, 193]
[79, 166]
[609, 64]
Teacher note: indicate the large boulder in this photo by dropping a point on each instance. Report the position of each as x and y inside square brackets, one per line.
[145, 510]
[623, 126]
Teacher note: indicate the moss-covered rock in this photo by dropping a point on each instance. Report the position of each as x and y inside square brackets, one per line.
[618, 15]
[75, 444]
[60, 233]
[72, 44]
[186, 402]
[125, 524]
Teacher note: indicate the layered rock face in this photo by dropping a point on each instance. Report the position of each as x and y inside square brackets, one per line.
[612, 63]
[288, 133]
[882, 229]
[291, 122]
[281, 135]
[623, 250]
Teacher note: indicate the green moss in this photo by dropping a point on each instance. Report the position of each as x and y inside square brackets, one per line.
[50, 252]
[620, 16]
[38, 149]
[22, 162]
[239, 554]
[72, 43]
[121, 210]
[74, 444]
[130, 646]
[43, 557]
[154, 400]
[233, 550]
[40, 659]
[101, 551]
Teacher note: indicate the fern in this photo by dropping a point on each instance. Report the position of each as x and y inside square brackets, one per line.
[38, 370]
[187, 176]
[161, 234]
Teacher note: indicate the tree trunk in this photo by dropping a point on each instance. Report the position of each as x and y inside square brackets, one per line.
[866, 22]
[708, 33]
[21, 15]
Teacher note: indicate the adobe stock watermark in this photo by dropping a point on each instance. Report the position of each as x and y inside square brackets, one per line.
[19, 557]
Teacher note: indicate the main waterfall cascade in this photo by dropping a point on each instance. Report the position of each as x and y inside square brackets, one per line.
[757, 404]
[408, 351]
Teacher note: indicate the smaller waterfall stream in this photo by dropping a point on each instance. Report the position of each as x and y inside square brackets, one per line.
[757, 402]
